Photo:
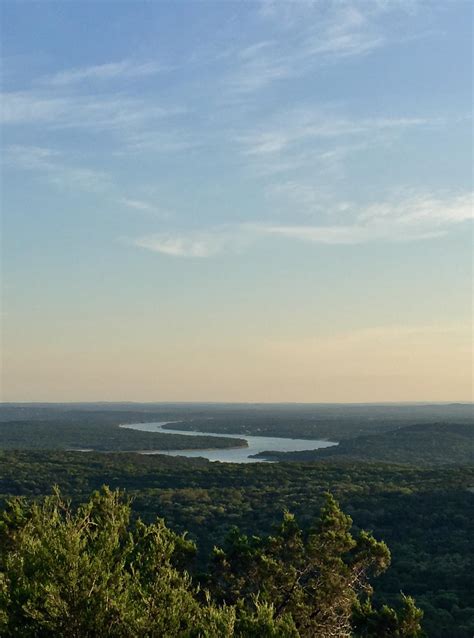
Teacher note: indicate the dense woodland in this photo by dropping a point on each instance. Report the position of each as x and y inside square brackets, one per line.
[421, 509]
[423, 514]
[102, 436]
[91, 571]
[426, 443]
[336, 422]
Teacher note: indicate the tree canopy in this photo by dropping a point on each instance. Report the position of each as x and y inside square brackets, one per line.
[94, 570]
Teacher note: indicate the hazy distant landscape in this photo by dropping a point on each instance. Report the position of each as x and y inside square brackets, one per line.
[395, 433]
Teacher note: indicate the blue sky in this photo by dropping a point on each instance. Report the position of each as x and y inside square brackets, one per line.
[237, 201]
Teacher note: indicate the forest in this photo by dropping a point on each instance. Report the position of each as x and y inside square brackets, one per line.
[92, 571]
[102, 435]
[422, 509]
[427, 443]
[423, 514]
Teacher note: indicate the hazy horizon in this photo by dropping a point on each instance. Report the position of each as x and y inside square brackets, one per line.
[382, 404]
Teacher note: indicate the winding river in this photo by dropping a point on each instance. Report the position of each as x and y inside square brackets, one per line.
[256, 444]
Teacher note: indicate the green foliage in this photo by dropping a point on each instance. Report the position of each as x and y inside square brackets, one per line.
[387, 622]
[315, 578]
[92, 571]
[258, 620]
[423, 513]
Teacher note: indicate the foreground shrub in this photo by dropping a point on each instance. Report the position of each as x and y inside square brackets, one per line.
[92, 571]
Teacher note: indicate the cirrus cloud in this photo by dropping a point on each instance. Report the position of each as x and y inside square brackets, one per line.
[125, 69]
[417, 217]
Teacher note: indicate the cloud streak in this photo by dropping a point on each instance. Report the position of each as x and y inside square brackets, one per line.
[319, 137]
[50, 163]
[51, 166]
[308, 35]
[144, 207]
[197, 244]
[112, 112]
[125, 69]
[419, 217]
[302, 125]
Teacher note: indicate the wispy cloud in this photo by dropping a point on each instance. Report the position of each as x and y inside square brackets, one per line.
[30, 157]
[196, 245]
[169, 141]
[110, 112]
[421, 216]
[308, 35]
[422, 209]
[348, 31]
[319, 137]
[54, 167]
[417, 217]
[302, 198]
[303, 125]
[145, 207]
[125, 69]
[51, 164]
[258, 66]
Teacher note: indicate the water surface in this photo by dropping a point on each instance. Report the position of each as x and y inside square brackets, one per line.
[256, 444]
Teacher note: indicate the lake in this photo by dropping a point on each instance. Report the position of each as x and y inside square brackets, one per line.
[256, 444]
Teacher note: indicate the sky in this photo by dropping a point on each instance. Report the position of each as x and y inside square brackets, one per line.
[237, 201]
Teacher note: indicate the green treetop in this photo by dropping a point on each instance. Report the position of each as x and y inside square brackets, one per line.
[92, 571]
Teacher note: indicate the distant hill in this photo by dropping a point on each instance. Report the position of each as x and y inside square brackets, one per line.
[422, 443]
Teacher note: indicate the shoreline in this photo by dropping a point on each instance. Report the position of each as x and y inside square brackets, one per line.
[194, 449]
